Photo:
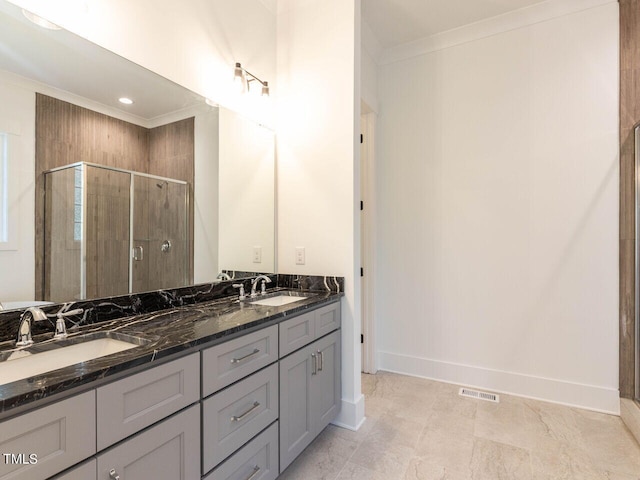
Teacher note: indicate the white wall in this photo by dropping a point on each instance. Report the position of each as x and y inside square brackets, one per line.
[497, 222]
[17, 118]
[370, 51]
[318, 159]
[247, 194]
[205, 228]
[195, 43]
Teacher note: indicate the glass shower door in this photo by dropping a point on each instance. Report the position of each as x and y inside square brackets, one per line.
[160, 247]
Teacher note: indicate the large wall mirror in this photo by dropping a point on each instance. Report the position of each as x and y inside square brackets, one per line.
[99, 198]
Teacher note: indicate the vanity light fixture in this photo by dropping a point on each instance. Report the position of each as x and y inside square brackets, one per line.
[125, 100]
[41, 22]
[243, 77]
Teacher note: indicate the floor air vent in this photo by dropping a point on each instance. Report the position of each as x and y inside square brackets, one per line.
[489, 397]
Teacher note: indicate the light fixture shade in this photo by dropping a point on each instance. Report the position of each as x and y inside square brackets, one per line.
[265, 89]
[239, 78]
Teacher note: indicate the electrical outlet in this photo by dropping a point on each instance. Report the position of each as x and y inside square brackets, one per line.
[299, 255]
[257, 254]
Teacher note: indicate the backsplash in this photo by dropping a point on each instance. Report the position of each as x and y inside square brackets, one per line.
[110, 308]
[311, 282]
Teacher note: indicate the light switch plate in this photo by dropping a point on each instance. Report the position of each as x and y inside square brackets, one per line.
[300, 256]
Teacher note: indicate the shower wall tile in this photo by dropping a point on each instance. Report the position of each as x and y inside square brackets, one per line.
[629, 117]
[65, 134]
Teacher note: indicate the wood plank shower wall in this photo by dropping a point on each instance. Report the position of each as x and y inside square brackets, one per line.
[67, 133]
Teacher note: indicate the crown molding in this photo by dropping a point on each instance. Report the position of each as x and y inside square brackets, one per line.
[513, 20]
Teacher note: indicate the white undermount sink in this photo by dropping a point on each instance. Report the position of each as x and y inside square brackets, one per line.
[277, 301]
[24, 363]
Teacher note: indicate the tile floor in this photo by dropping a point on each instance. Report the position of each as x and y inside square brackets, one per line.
[418, 429]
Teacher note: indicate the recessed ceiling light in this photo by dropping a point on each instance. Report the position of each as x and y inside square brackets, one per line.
[41, 22]
[125, 100]
[210, 102]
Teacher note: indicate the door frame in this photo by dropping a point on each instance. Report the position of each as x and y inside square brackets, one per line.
[367, 236]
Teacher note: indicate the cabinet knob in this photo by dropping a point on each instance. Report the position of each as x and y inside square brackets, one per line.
[113, 475]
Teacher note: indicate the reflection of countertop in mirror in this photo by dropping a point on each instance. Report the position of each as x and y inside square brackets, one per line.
[171, 332]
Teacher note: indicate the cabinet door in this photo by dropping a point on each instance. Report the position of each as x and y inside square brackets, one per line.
[44, 442]
[296, 421]
[168, 451]
[326, 392]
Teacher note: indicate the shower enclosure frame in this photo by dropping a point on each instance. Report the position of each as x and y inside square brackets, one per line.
[636, 375]
[83, 243]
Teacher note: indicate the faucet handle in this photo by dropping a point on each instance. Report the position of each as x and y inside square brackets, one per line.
[61, 327]
[263, 287]
[241, 287]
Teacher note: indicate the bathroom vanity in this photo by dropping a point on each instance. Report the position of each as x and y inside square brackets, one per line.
[220, 390]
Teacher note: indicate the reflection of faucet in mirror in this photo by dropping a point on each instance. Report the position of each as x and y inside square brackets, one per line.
[242, 296]
[223, 276]
[24, 332]
[263, 289]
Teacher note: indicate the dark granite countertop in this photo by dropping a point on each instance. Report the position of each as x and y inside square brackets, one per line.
[166, 333]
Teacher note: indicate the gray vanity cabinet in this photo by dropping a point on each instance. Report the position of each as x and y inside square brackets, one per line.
[169, 450]
[303, 329]
[257, 460]
[58, 436]
[309, 395]
[127, 406]
[86, 471]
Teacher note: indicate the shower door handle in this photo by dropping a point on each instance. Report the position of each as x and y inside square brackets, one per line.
[138, 253]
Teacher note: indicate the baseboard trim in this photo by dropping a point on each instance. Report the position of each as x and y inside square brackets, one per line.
[351, 414]
[590, 397]
[630, 414]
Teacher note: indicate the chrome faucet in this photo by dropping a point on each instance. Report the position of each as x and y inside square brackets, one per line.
[31, 314]
[263, 289]
[242, 296]
[61, 327]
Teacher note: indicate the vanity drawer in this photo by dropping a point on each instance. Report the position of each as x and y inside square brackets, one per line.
[60, 435]
[86, 471]
[296, 333]
[259, 458]
[327, 319]
[133, 403]
[304, 329]
[232, 417]
[228, 362]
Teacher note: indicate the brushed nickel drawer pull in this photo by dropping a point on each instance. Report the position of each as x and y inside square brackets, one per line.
[256, 404]
[321, 356]
[238, 360]
[314, 364]
[256, 469]
[113, 475]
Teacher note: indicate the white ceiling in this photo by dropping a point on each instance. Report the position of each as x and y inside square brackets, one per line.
[67, 62]
[395, 22]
